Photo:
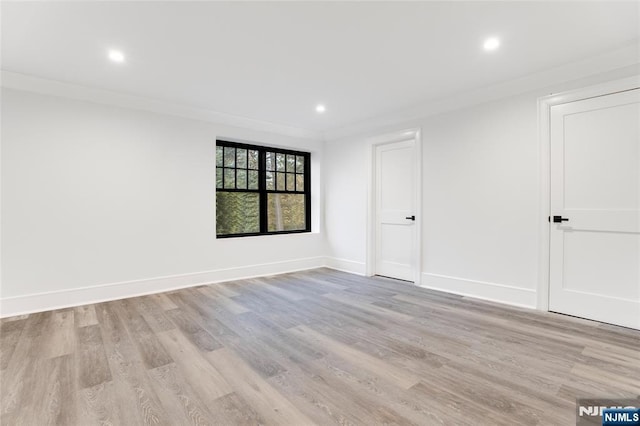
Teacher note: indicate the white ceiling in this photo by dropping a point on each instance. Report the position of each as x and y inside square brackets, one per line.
[275, 61]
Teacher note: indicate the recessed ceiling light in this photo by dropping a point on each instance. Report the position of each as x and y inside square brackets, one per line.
[116, 56]
[492, 43]
[320, 108]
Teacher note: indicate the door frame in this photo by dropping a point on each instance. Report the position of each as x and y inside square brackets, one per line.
[544, 137]
[373, 142]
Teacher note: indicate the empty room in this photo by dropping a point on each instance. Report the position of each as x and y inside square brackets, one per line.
[320, 213]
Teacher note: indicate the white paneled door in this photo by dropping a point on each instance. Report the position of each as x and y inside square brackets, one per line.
[595, 207]
[396, 237]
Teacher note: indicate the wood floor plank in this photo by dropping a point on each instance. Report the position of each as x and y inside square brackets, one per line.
[205, 312]
[262, 305]
[20, 375]
[337, 314]
[180, 400]
[450, 408]
[319, 400]
[283, 347]
[85, 315]
[395, 375]
[60, 336]
[8, 342]
[193, 331]
[226, 303]
[249, 348]
[396, 405]
[264, 398]
[228, 289]
[12, 324]
[312, 347]
[259, 356]
[283, 312]
[133, 393]
[630, 384]
[399, 354]
[55, 385]
[367, 307]
[612, 357]
[163, 301]
[233, 410]
[279, 291]
[153, 314]
[13, 318]
[93, 366]
[497, 400]
[208, 381]
[324, 285]
[96, 405]
[153, 353]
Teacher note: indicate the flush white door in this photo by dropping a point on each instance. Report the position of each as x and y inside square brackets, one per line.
[595, 207]
[396, 236]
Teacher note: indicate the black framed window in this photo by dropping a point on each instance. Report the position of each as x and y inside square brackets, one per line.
[261, 190]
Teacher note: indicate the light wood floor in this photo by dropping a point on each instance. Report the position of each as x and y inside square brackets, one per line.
[316, 347]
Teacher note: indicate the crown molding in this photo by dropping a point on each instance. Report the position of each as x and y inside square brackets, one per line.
[28, 83]
[626, 58]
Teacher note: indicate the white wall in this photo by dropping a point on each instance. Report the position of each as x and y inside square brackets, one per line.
[481, 197]
[94, 195]
[102, 202]
[480, 200]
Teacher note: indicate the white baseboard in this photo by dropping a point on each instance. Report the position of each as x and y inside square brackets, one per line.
[344, 265]
[38, 302]
[493, 292]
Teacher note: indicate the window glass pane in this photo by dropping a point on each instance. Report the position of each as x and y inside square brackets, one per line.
[218, 156]
[253, 159]
[229, 178]
[280, 162]
[271, 181]
[218, 178]
[291, 182]
[291, 163]
[229, 157]
[280, 181]
[299, 182]
[241, 179]
[299, 164]
[271, 161]
[285, 212]
[237, 212]
[241, 158]
[253, 179]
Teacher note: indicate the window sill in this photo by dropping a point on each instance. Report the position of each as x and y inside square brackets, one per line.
[223, 237]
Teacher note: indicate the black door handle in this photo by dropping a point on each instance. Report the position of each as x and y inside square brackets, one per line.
[559, 219]
[411, 217]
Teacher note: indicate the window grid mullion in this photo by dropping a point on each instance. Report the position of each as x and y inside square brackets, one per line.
[262, 188]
